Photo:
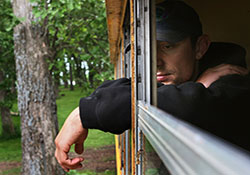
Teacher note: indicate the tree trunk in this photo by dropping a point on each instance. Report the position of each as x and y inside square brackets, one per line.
[71, 76]
[78, 72]
[56, 82]
[65, 77]
[7, 124]
[91, 75]
[36, 99]
[84, 73]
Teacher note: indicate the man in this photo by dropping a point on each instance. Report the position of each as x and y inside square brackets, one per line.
[203, 98]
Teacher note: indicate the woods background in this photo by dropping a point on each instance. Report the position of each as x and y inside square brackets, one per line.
[46, 45]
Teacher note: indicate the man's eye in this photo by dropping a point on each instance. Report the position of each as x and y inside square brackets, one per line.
[168, 46]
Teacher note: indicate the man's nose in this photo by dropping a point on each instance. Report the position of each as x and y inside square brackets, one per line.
[159, 60]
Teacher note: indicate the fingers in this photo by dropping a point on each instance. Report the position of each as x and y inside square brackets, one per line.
[213, 74]
[72, 133]
[227, 69]
[67, 163]
[79, 148]
[240, 70]
[71, 163]
[79, 144]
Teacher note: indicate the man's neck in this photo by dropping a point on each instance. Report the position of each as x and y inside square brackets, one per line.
[196, 72]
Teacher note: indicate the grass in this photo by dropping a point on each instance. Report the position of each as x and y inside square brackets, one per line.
[98, 139]
[106, 159]
[70, 101]
[67, 102]
[10, 148]
[13, 171]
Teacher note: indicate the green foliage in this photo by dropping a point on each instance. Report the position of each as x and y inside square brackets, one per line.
[76, 29]
[7, 62]
[16, 122]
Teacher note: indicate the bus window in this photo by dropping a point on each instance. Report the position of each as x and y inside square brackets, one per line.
[159, 143]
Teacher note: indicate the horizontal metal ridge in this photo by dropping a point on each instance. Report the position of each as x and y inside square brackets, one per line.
[185, 149]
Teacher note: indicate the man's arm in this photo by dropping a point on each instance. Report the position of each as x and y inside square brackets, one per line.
[215, 87]
[214, 73]
[110, 109]
[71, 133]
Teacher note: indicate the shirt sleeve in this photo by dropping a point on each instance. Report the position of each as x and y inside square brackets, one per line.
[222, 109]
[108, 107]
[212, 109]
[217, 109]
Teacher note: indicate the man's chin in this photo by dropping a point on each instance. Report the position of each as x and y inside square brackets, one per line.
[167, 80]
[168, 83]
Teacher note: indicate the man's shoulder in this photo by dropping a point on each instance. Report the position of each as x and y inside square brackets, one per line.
[223, 53]
[233, 87]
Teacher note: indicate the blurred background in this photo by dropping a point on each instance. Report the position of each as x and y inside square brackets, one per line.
[52, 53]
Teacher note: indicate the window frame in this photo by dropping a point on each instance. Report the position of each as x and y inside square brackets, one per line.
[180, 145]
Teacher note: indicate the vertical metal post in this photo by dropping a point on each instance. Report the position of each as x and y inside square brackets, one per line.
[133, 89]
[127, 148]
[153, 49]
[145, 55]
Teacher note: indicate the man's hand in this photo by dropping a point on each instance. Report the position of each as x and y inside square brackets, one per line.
[213, 74]
[71, 133]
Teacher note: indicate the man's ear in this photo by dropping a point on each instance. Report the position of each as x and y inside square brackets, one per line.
[202, 44]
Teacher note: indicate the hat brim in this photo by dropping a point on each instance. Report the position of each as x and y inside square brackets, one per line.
[170, 36]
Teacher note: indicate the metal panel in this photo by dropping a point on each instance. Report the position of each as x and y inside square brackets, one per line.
[147, 48]
[144, 54]
[185, 149]
[153, 54]
[127, 156]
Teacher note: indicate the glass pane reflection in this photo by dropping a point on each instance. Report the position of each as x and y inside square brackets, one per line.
[153, 164]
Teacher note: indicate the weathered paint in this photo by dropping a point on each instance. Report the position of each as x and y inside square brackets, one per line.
[118, 155]
[113, 10]
[133, 88]
[123, 57]
[115, 70]
[124, 153]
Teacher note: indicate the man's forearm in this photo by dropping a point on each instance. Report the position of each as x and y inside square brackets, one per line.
[71, 133]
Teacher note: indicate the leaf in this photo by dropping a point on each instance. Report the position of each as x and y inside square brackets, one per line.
[22, 19]
[85, 57]
[70, 5]
[37, 14]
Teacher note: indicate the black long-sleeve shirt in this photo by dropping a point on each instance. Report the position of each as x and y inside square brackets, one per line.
[222, 108]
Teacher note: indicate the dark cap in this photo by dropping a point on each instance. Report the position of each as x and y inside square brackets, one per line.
[175, 21]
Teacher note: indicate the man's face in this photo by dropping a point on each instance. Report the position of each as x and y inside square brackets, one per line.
[176, 63]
